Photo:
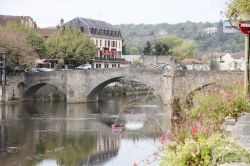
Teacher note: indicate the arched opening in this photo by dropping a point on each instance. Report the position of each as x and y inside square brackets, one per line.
[120, 86]
[44, 92]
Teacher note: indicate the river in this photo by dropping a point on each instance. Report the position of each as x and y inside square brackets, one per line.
[56, 133]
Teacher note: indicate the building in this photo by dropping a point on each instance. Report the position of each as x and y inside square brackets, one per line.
[227, 61]
[107, 39]
[26, 20]
[210, 30]
[46, 32]
[195, 64]
[231, 61]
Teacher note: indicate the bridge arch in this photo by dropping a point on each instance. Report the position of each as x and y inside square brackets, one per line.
[97, 90]
[28, 92]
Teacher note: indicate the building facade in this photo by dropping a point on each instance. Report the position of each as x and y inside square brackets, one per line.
[26, 20]
[107, 39]
[231, 61]
[227, 61]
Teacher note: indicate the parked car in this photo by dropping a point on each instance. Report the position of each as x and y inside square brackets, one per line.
[44, 69]
[84, 66]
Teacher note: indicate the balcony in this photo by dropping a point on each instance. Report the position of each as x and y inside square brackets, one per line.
[113, 59]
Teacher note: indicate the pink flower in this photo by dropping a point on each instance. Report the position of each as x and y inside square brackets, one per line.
[155, 154]
[228, 95]
[175, 118]
[216, 89]
[167, 135]
[213, 78]
[113, 127]
[200, 127]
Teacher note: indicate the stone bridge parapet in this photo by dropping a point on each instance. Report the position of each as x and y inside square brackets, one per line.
[85, 85]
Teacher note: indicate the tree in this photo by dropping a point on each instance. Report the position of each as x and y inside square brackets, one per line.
[71, 45]
[19, 51]
[166, 44]
[185, 50]
[237, 7]
[213, 64]
[161, 48]
[134, 51]
[124, 48]
[171, 40]
[34, 38]
[147, 49]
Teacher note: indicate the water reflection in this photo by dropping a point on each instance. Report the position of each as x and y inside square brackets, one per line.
[78, 134]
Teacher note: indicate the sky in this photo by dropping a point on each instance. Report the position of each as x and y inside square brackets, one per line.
[47, 13]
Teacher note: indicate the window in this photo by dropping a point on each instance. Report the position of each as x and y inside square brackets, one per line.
[97, 65]
[82, 29]
[108, 43]
[100, 43]
[96, 42]
[113, 65]
[113, 44]
[105, 43]
[106, 66]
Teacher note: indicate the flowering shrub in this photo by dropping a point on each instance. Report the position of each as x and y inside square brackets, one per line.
[193, 139]
[203, 152]
[219, 103]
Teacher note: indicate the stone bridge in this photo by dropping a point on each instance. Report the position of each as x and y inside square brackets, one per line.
[86, 85]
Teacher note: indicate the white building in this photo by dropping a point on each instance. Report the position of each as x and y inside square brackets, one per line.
[195, 64]
[210, 30]
[107, 39]
[231, 61]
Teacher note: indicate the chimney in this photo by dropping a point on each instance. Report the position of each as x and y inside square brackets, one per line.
[61, 21]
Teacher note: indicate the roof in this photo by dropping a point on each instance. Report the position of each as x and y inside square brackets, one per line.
[46, 32]
[191, 61]
[237, 55]
[213, 55]
[97, 23]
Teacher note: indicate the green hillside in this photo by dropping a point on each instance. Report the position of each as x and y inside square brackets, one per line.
[138, 35]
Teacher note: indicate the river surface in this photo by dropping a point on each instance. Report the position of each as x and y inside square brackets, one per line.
[51, 134]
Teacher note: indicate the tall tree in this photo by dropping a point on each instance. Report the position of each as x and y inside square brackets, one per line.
[161, 48]
[19, 51]
[185, 50]
[148, 48]
[134, 51]
[34, 38]
[71, 45]
[124, 47]
[171, 40]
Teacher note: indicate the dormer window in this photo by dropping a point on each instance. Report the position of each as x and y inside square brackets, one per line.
[82, 29]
